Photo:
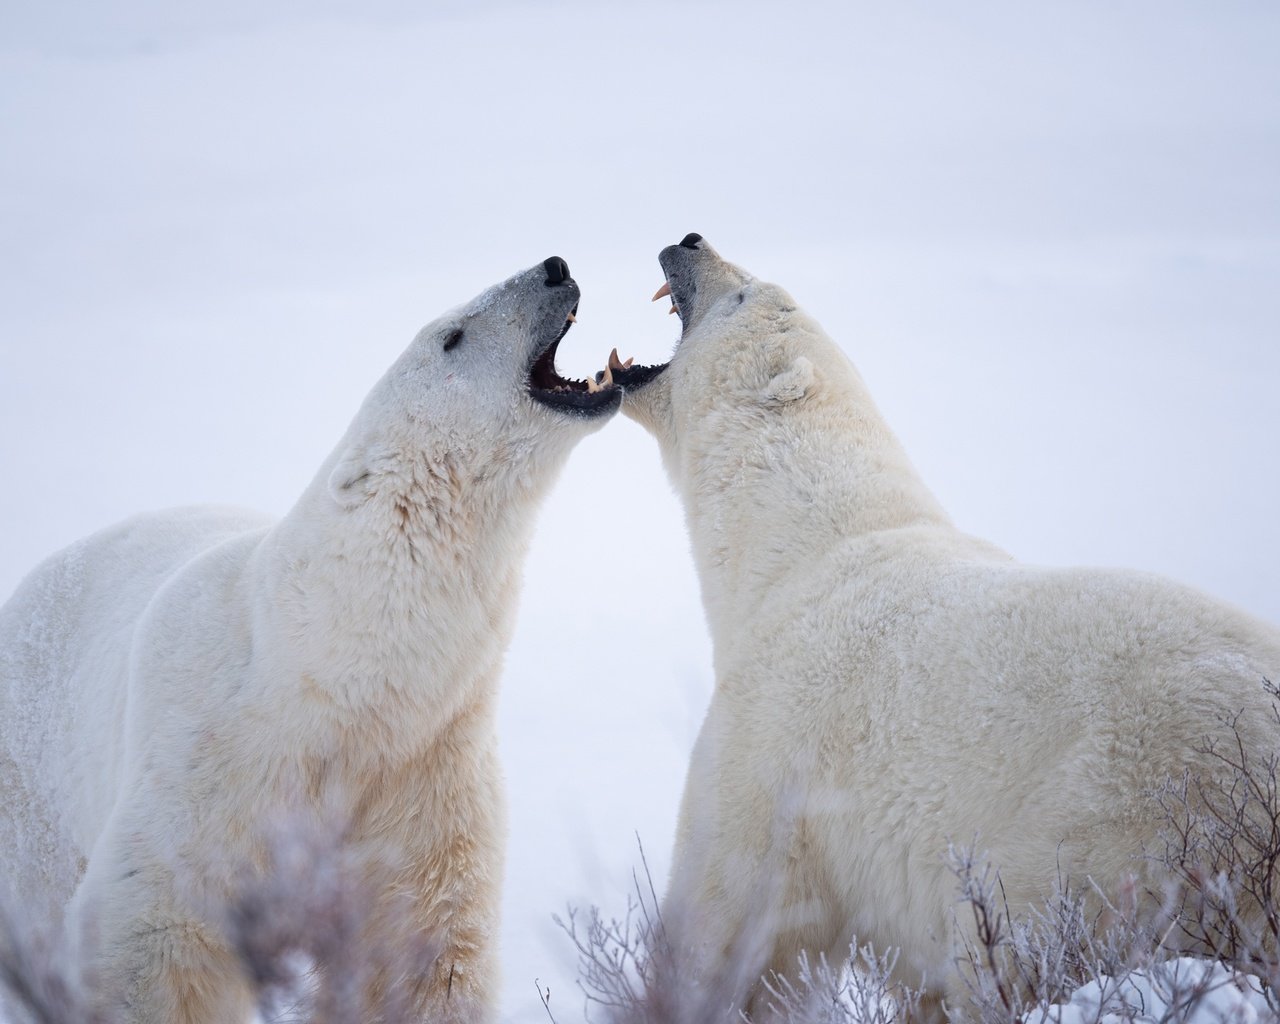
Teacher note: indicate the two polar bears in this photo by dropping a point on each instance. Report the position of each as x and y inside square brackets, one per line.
[886, 684]
[172, 685]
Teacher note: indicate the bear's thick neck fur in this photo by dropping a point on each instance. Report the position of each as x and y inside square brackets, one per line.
[353, 613]
[776, 448]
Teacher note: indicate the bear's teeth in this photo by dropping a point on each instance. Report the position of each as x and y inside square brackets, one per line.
[672, 309]
[617, 364]
[664, 290]
[571, 318]
[602, 380]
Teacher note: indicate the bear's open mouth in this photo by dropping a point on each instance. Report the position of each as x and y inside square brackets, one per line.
[628, 376]
[587, 397]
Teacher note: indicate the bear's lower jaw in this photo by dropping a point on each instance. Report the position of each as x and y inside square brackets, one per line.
[582, 402]
[580, 397]
[633, 378]
[626, 375]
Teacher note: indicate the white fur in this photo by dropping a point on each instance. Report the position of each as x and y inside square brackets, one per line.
[885, 684]
[172, 687]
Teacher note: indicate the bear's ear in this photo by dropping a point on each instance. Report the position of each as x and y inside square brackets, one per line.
[349, 481]
[791, 384]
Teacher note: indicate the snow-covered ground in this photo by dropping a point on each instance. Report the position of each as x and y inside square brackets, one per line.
[1048, 234]
[1175, 990]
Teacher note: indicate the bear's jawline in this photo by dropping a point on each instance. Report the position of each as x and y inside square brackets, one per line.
[637, 376]
[569, 395]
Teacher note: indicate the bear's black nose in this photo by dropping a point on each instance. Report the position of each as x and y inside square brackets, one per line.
[557, 270]
[691, 240]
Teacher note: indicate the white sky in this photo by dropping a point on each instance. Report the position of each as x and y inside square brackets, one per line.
[1049, 236]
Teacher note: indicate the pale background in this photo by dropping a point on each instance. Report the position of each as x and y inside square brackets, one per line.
[1048, 234]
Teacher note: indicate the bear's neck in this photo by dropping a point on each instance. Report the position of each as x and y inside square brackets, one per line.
[771, 494]
[393, 619]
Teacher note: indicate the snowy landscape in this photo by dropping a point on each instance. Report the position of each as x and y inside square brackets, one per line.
[1048, 236]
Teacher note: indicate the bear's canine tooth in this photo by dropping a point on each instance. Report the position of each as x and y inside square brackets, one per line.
[664, 290]
[617, 364]
[571, 318]
[672, 309]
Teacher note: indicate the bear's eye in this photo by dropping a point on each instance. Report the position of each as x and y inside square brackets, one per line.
[453, 340]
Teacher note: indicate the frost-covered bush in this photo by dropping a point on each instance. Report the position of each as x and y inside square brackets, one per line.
[632, 971]
[1072, 961]
[301, 929]
[1085, 959]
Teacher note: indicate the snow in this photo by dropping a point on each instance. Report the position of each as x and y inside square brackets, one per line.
[1183, 989]
[1048, 235]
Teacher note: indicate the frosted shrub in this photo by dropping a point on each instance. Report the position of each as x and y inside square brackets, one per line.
[635, 970]
[302, 931]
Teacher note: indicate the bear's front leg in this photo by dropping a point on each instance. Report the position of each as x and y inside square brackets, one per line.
[750, 889]
[149, 957]
[427, 960]
[189, 977]
[440, 831]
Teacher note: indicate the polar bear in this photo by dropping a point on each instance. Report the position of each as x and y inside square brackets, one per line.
[171, 684]
[885, 684]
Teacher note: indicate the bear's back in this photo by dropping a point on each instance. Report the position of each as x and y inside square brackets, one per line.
[65, 639]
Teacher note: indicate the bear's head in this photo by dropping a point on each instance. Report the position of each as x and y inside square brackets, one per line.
[473, 416]
[745, 352]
